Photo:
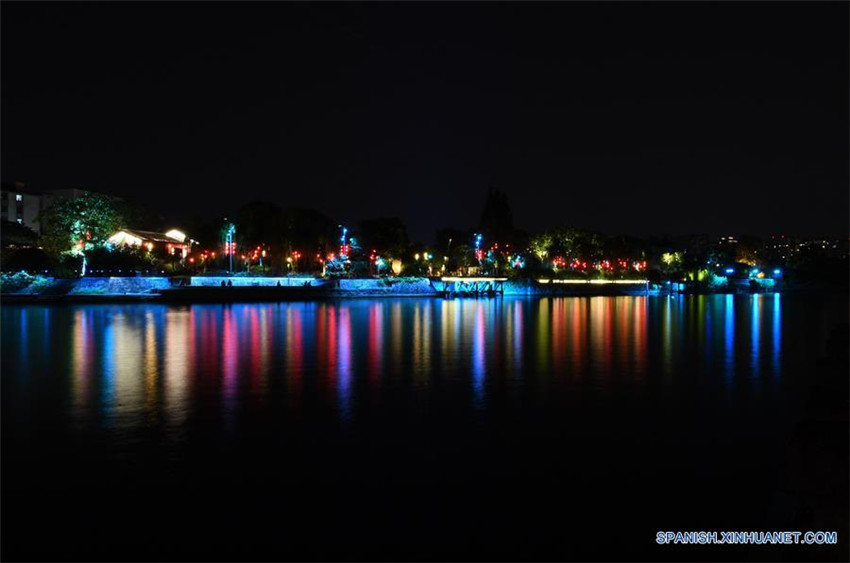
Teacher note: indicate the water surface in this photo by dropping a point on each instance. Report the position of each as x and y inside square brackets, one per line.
[551, 428]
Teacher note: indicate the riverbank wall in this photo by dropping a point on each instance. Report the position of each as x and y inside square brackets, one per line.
[104, 289]
[152, 288]
[239, 281]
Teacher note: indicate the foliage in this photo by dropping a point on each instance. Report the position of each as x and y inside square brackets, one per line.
[69, 266]
[747, 250]
[671, 262]
[540, 244]
[360, 268]
[461, 256]
[496, 221]
[571, 243]
[15, 234]
[388, 235]
[80, 224]
[259, 222]
[716, 281]
[309, 232]
[26, 259]
[10, 283]
[136, 215]
[120, 262]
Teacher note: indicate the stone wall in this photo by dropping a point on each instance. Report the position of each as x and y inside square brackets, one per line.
[242, 281]
[419, 287]
[118, 286]
[531, 287]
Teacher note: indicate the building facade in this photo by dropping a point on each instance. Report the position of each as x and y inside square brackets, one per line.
[173, 243]
[20, 205]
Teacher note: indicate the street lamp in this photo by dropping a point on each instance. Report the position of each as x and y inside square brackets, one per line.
[343, 250]
[230, 231]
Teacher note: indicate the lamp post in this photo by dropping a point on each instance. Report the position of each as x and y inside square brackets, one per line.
[231, 229]
[343, 251]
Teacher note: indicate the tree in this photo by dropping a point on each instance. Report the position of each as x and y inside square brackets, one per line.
[75, 226]
[747, 250]
[310, 233]
[540, 245]
[136, 215]
[29, 259]
[260, 222]
[671, 262]
[387, 235]
[16, 234]
[497, 223]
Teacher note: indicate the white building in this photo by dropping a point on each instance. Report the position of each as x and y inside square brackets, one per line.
[173, 242]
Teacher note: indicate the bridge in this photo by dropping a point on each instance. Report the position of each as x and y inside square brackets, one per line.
[449, 286]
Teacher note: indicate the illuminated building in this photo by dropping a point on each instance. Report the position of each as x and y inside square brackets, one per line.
[173, 242]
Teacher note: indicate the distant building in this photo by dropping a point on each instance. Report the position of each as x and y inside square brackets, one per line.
[173, 242]
[21, 205]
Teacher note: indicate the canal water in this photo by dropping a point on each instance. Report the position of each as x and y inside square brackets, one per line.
[416, 429]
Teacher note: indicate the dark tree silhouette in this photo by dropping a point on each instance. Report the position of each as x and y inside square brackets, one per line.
[497, 223]
[387, 235]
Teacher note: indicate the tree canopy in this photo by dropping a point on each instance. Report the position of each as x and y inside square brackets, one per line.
[79, 224]
[385, 233]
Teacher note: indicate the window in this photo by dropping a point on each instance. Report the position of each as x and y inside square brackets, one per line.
[19, 197]
[21, 221]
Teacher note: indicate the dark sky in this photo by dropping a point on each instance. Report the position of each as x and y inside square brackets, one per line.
[636, 118]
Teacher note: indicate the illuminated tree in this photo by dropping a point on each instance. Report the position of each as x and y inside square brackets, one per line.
[75, 226]
[671, 262]
[540, 245]
[747, 250]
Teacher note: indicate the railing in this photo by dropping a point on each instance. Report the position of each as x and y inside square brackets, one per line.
[450, 286]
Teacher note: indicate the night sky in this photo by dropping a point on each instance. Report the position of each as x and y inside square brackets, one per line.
[635, 118]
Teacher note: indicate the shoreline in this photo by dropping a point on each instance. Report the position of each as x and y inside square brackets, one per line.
[276, 289]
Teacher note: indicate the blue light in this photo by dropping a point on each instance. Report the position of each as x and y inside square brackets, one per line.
[777, 271]
[730, 270]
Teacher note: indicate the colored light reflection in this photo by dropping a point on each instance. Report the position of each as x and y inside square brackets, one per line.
[178, 365]
[479, 360]
[376, 342]
[82, 358]
[107, 385]
[729, 335]
[155, 365]
[344, 367]
[128, 396]
[756, 333]
[776, 333]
